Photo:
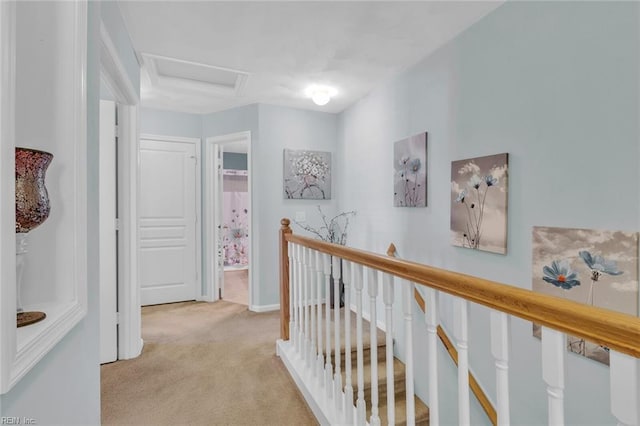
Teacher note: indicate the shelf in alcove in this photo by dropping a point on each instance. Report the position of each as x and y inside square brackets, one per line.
[28, 335]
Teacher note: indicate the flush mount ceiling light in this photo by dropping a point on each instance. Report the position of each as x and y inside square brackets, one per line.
[320, 95]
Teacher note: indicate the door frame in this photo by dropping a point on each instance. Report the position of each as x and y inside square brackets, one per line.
[211, 288]
[198, 208]
[114, 75]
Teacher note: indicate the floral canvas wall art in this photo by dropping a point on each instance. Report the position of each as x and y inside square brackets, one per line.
[479, 203]
[593, 267]
[410, 177]
[307, 174]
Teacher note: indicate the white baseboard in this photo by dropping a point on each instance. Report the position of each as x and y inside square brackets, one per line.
[312, 391]
[264, 308]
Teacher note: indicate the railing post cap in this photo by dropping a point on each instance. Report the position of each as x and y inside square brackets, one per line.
[285, 222]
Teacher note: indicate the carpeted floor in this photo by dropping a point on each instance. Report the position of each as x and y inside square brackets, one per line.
[204, 364]
[236, 286]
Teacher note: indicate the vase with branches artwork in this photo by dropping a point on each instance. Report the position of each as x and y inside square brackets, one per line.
[332, 230]
[410, 174]
[564, 259]
[307, 174]
[479, 203]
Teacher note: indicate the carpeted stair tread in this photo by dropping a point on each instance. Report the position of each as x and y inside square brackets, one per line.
[422, 411]
[398, 375]
[366, 336]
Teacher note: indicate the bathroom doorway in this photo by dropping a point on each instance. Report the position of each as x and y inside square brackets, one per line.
[228, 215]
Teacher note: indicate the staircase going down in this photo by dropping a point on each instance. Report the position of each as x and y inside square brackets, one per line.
[421, 410]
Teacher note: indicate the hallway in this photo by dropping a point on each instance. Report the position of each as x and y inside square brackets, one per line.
[203, 363]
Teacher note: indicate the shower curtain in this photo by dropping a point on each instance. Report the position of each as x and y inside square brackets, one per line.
[235, 220]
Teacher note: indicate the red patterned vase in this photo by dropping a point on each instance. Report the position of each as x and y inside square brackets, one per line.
[32, 199]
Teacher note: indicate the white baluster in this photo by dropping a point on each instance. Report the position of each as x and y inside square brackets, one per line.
[337, 378]
[292, 311]
[328, 370]
[319, 281]
[373, 330]
[348, 387]
[387, 296]
[361, 405]
[460, 332]
[294, 295]
[553, 355]
[300, 345]
[431, 319]
[500, 335]
[407, 299]
[305, 305]
[313, 354]
[624, 374]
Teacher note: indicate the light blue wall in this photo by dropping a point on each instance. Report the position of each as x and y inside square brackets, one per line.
[170, 123]
[282, 128]
[234, 160]
[64, 387]
[273, 129]
[554, 84]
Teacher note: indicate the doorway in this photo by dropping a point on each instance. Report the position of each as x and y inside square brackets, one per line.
[228, 240]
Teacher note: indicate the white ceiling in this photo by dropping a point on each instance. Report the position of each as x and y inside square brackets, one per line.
[277, 49]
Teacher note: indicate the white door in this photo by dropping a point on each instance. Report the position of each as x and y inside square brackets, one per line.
[168, 205]
[108, 238]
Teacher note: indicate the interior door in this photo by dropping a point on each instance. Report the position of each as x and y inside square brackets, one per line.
[108, 237]
[219, 220]
[168, 264]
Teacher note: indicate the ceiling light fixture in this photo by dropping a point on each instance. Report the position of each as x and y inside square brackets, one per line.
[320, 95]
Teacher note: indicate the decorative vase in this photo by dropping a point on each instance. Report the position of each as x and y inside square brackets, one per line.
[32, 209]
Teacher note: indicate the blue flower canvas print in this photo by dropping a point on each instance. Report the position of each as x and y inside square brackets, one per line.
[598, 268]
[479, 203]
[410, 172]
[307, 174]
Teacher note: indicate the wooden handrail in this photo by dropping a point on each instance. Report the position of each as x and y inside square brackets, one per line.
[614, 330]
[453, 353]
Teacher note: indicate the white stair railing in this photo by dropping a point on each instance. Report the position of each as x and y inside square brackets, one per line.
[314, 357]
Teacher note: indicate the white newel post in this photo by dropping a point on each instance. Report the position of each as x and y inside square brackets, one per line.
[337, 377]
[624, 374]
[431, 319]
[360, 403]
[373, 330]
[348, 386]
[500, 336]
[460, 331]
[553, 358]
[407, 299]
[387, 296]
[328, 368]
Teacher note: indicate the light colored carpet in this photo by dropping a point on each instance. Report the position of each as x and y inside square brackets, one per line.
[204, 364]
[236, 286]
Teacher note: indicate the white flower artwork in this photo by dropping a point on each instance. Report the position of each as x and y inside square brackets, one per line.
[479, 203]
[410, 172]
[307, 174]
